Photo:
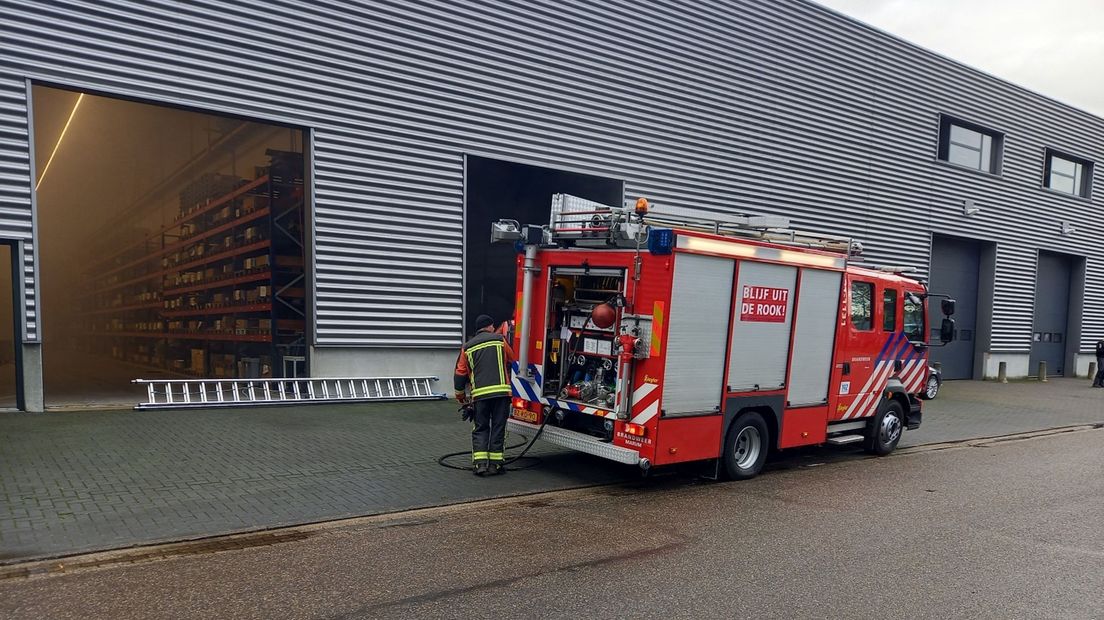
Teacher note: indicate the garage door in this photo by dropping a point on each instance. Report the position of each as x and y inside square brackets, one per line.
[1052, 289]
[955, 264]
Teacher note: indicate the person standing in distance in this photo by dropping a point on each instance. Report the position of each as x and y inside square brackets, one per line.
[1098, 381]
[482, 378]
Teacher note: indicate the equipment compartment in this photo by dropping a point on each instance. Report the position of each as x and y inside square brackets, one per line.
[580, 363]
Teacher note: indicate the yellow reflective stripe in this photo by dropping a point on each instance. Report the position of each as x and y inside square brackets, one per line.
[471, 369]
[491, 343]
[495, 456]
[480, 456]
[490, 389]
[503, 386]
[501, 370]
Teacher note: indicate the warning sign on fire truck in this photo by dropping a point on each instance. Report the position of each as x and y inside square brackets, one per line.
[764, 304]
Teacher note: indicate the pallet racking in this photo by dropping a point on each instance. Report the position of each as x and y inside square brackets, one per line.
[219, 292]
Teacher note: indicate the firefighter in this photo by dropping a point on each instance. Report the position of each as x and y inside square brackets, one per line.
[1098, 380]
[482, 380]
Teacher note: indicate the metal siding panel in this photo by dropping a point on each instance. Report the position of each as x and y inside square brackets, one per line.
[814, 337]
[760, 350]
[701, 297]
[15, 191]
[749, 105]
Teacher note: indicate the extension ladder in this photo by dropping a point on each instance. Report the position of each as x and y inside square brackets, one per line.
[202, 393]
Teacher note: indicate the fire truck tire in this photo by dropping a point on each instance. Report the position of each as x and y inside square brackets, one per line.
[746, 445]
[885, 429]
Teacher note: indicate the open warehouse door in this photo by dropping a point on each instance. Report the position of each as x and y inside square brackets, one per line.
[171, 245]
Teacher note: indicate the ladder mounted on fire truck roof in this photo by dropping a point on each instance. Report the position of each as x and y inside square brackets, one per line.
[583, 222]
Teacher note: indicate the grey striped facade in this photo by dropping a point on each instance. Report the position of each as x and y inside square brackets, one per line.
[758, 106]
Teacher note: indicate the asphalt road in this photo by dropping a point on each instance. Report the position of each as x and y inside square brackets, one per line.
[1009, 529]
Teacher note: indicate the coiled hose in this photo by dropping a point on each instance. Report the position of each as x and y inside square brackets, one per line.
[532, 461]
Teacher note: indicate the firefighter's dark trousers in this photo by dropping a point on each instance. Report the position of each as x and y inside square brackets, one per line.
[1098, 380]
[489, 433]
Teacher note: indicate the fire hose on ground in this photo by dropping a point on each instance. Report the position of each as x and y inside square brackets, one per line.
[531, 461]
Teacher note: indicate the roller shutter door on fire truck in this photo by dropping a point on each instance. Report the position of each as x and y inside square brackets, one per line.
[701, 296]
[761, 326]
[818, 302]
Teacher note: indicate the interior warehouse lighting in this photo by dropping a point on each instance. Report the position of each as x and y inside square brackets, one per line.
[60, 138]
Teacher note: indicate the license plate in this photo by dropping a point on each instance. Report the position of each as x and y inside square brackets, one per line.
[525, 415]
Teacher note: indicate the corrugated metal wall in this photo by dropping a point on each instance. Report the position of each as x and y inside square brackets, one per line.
[762, 106]
[16, 222]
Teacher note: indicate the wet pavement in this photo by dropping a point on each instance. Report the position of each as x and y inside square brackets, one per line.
[82, 481]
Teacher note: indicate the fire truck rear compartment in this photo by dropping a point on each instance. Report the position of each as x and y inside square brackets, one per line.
[580, 364]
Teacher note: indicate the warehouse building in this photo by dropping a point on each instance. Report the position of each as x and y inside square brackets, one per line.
[213, 189]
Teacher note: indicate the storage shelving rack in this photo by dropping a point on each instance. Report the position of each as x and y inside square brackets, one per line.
[219, 292]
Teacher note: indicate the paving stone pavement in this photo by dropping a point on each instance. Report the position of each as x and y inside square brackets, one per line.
[82, 481]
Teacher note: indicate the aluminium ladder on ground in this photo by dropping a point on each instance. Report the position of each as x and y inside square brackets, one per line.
[202, 393]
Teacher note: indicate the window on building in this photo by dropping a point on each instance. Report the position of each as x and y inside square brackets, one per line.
[1066, 174]
[969, 145]
[862, 305]
[914, 317]
[889, 310]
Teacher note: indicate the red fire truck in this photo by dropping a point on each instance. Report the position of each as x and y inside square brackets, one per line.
[654, 340]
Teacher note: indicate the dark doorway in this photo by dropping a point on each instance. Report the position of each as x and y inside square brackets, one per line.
[955, 269]
[495, 190]
[1050, 335]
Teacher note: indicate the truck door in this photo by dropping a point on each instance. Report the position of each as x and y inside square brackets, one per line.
[909, 364]
[860, 343]
[895, 350]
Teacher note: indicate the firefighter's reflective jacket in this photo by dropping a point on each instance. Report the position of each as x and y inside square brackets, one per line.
[484, 362]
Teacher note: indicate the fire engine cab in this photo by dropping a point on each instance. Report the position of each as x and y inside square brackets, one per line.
[654, 339]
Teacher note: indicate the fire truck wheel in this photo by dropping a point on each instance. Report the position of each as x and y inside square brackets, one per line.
[885, 429]
[746, 446]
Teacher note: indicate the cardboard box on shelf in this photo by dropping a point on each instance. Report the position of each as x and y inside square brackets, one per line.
[249, 367]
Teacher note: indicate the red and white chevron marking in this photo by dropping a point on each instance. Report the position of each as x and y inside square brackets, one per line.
[912, 377]
[645, 403]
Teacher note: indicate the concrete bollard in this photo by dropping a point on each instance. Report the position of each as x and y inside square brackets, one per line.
[1092, 370]
[1002, 372]
[1042, 371]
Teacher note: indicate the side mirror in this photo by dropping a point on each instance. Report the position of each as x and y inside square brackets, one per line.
[948, 306]
[947, 330]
